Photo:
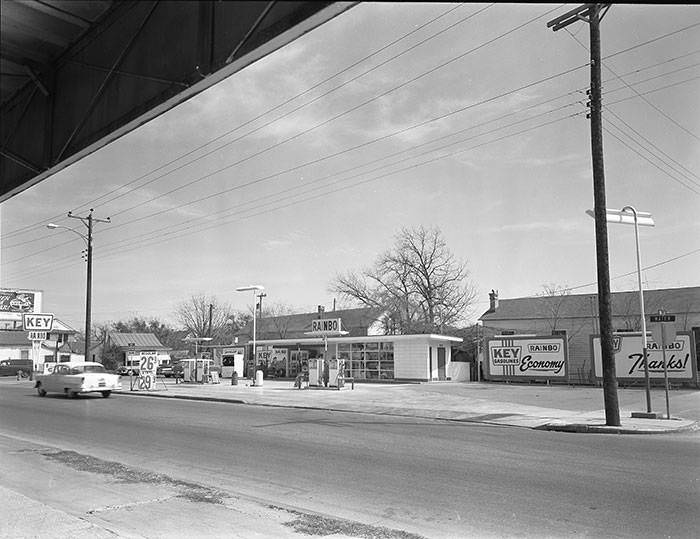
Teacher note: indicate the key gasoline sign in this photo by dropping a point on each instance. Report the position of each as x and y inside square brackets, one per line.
[516, 357]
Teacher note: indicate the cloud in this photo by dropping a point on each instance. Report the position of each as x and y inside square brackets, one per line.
[562, 225]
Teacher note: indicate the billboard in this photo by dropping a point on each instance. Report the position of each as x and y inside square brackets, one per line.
[14, 303]
[513, 357]
[629, 359]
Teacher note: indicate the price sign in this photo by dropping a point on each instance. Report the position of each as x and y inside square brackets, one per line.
[148, 364]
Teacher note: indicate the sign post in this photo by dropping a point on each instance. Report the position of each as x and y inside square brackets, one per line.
[664, 331]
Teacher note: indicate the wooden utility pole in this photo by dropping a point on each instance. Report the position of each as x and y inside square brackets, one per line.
[88, 221]
[591, 13]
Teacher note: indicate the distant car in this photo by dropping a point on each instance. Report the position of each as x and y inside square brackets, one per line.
[164, 369]
[127, 371]
[9, 367]
[73, 379]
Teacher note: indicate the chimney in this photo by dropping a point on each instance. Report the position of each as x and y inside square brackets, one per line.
[493, 300]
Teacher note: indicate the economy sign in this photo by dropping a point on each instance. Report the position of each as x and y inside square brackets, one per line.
[629, 359]
[518, 358]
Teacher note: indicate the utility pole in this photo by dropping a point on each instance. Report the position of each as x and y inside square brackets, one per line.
[88, 222]
[591, 13]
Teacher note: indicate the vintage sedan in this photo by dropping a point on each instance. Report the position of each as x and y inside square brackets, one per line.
[72, 379]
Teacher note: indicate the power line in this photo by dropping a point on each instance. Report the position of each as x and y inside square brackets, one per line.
[288, 113]
[646, 268]
[681, 182]
[344, 113]
[657, 109]
[252, 120]
[684, 172]
[179, 233]
[259, 180]
[247, 184]
[33, 227]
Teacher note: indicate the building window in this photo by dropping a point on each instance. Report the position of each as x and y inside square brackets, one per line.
[24, 354]
[368, 361]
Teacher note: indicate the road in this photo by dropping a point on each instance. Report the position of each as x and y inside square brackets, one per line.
[429, 478]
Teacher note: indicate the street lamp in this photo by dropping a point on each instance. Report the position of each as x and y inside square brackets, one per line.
[87, 221]
[630, 216]
[256, 288]
[196, 341]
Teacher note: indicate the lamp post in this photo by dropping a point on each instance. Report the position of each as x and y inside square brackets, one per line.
[630, 216]
[256, 288]
[88, 222]
[196, 341]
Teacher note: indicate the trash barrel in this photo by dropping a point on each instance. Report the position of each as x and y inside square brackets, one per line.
[258, 378]
[234, 379]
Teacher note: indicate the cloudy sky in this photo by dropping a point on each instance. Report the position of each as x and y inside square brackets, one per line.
[469, 118]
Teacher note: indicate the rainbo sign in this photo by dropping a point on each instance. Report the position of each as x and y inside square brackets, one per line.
[326, 325]
[629, 359]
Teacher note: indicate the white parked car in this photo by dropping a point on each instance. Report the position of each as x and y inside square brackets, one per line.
[74, 378]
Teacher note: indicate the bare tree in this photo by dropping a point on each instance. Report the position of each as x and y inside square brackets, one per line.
[555, 298]
[204, 316]
[418, 282]
[277, 317]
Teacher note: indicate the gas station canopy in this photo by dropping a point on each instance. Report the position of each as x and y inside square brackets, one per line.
[76, 75]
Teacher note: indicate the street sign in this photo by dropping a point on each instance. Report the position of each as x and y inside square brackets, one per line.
[37, 322]
[37, 335]
[663, 329]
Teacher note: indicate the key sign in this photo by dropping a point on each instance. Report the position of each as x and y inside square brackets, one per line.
[37, 322]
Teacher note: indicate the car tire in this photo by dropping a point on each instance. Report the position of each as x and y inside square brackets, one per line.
[106, 394]
[70, 394]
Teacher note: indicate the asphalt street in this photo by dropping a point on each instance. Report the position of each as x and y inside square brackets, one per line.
[433, 478]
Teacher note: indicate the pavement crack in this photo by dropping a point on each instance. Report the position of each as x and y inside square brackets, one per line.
[126, 474]
[117, 507]
[321, 525]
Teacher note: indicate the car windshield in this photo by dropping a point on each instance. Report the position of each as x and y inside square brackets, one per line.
[87, 368]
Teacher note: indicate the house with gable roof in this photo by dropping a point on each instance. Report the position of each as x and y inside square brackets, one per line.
[576, 317]
[130, 346]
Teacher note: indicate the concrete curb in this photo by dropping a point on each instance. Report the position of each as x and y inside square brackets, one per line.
[557, 427]
[605, 429]
[181, 397]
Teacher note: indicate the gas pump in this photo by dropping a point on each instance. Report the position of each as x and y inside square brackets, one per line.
[336, 371]
[316, 372]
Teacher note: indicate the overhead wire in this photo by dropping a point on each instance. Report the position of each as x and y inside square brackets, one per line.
[252, 120]
[345, 112]
[654, 40]
[306, 104]
[228, 190]
[655, 165]
[645, 268]
[609, 56]
[426, 122]
[161, 238]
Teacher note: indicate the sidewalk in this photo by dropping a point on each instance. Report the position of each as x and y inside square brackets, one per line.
[560, 408]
